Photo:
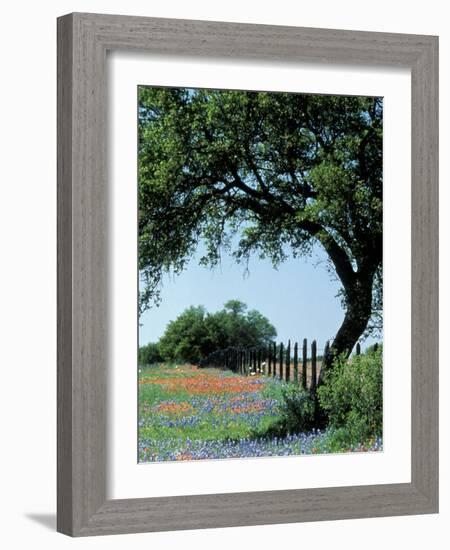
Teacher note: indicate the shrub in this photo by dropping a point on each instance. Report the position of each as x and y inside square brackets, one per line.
[374, 347]
[296, 412]
[149, 354]
[297, 409]
[352, 397]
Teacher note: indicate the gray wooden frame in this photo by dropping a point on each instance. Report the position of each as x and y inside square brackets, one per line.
[83, 40]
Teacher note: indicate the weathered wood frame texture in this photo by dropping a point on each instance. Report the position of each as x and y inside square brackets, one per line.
[83, 40]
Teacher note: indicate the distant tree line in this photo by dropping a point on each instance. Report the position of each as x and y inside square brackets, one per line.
[195, 333]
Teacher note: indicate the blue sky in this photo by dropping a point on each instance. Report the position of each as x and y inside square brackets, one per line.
[299, 298]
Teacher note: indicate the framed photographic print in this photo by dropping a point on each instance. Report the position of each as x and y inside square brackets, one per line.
[247, 274]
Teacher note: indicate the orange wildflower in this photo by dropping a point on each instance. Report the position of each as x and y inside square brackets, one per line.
[204, 382]
[175, 408]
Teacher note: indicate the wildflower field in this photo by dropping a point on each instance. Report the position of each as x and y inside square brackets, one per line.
[187, 413]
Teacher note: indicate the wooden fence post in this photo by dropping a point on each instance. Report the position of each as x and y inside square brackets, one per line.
[281, 360]
[274, 367]
[304, 362]
[326, 351]
[313, 365]
[326, 355]
[296, 362]
[288, 362]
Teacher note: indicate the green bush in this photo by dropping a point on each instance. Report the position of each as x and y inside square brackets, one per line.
[195, 333]
[297, 409]
[375, 347]
[352, 397]
[149, 354]
[296, 412]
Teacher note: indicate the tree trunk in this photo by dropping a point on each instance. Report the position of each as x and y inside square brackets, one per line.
[357, 316]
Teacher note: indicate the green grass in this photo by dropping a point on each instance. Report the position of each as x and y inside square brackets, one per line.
[188, 413]
[174, 406]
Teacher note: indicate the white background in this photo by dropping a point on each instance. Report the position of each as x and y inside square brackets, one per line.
[130, 480]
[28, 275]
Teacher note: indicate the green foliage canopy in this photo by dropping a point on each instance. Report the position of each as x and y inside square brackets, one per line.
[194, 334]
[149, 354]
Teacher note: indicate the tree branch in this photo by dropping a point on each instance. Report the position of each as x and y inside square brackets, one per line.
[336, 253]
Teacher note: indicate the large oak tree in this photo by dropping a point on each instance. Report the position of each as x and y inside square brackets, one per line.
[271, 174]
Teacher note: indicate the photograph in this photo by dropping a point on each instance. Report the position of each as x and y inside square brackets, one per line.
[260, 274]
[223, 225]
